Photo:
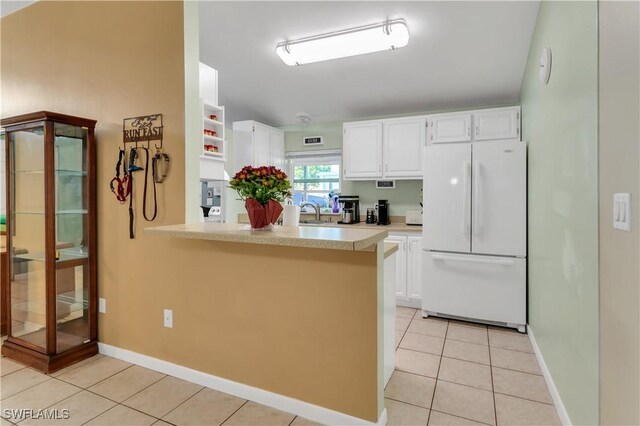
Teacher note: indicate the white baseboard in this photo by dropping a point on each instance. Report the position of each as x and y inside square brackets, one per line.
[280, 402]
[555, 395]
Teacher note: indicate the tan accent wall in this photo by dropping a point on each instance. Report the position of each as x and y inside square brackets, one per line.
[619, 157]
[309, 334]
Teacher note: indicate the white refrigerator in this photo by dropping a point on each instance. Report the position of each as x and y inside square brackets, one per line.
[474, 232]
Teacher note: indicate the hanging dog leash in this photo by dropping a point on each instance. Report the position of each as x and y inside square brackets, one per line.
[133, 154]
[146, 180]
[159, 172]
[121, 187]
[160, 166]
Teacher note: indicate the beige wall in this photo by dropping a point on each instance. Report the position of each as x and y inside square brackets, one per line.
[619, 157]
[310, 334]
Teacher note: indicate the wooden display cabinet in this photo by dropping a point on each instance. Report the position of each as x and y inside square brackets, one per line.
[50, 277]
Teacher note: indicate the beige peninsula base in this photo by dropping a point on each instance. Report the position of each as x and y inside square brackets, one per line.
[301, 322]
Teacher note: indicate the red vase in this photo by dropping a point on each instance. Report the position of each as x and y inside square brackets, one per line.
[261, 216]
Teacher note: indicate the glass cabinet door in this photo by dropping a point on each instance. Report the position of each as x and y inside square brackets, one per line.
[28, 232]
[51, 231]
[70, 159]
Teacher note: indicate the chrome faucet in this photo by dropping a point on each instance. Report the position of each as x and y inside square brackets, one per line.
[315, 207]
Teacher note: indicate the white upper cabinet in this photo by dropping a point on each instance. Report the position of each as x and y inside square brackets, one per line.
[276, 144]
[496, 124]
[261, 145]
[403, 143]
[257, 144]
[362, 150]
[447, 128]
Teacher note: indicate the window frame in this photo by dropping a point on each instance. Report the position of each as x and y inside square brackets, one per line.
[314, 158]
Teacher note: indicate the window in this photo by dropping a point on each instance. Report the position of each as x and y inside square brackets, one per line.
[315, 176]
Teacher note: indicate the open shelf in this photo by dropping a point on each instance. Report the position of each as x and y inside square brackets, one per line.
[214, 108]
[213, 122]
[213, 138]
[213, 154]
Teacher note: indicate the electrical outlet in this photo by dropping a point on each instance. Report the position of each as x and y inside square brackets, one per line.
[102, 305]
[168, 318]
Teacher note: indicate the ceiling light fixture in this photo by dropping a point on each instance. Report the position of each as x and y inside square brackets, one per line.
[388, 35]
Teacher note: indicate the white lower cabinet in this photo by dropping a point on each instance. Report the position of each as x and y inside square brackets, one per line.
[414, 268]
[401, 264]
[408, 269]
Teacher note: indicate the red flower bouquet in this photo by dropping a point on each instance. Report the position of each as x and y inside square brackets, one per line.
[262, 189]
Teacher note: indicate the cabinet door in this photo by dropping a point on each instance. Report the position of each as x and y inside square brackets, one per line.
[403, 144]
[401, 265]
[502, 123]
[414, 268]
[450, 128]
[277, 148]
[261, 145]
[362, 150]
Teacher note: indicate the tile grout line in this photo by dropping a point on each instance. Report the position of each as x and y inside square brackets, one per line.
[101, 380]
[225, 420]
[407, 403]
[518, 371]
[126, 406]
[94, 393]
[460, 417]
[493, 389]
[435, 386]
[106, 378]
[76, 366]
[525, 399]
[128, 398]
[181, 404]
[27, 388]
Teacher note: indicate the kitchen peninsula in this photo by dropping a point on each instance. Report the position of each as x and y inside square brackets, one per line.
[297, 311]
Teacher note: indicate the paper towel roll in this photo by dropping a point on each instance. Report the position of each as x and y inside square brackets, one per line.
[291, 216]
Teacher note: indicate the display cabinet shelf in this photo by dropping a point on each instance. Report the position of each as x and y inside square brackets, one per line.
[51, 240]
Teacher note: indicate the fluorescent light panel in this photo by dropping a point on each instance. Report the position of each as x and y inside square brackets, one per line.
[388, 35]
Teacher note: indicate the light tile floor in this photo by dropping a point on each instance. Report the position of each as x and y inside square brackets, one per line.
[447, 373]
[460, 373]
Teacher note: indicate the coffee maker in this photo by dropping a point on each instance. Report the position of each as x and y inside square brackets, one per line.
[350, 206]
[384, 218]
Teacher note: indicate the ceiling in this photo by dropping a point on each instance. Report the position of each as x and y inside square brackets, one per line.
[460, 54]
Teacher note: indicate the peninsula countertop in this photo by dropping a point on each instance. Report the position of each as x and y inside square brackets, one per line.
[309, 237]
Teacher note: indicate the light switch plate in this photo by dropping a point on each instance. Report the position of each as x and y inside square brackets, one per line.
[622, 211]
[102, 305]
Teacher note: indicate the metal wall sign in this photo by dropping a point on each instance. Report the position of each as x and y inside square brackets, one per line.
[145, 128]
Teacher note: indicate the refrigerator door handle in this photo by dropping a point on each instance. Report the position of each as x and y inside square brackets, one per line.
[465, 198]
[476, 198]
[493, 261]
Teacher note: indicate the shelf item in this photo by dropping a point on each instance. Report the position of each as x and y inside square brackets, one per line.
[51, 240]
